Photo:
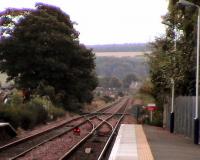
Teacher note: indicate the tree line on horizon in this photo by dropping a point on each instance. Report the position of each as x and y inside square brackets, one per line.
[121, 67]
[127, 47]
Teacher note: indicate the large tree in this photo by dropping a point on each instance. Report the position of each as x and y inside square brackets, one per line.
[178, 62]
[44, 50]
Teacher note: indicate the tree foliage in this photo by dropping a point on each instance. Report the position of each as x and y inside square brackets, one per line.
[44, 49]
[121, 67]
[178, 62]
[110, 82]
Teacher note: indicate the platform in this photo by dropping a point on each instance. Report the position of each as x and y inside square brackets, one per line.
[167, 146]
[131, 144]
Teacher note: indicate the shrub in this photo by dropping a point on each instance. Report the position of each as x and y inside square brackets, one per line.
[27, 115]
[45, 109]
[15, 99]
[10, 114]
[157, 119]
[36, 106]
[27, 119]
[55, 112]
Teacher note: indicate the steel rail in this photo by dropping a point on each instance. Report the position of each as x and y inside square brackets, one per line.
[50, 139]
[37, 134]
[11, 144]
[101, 156]
[67, 154]
[108, 106]
[110, 138]
[56, 136]
[110, 125]
[73, 149]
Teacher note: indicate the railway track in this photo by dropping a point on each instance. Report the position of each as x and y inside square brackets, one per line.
[87, 123]
[94, 145]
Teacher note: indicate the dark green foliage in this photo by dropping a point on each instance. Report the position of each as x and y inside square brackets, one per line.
[41, 115]
[27, 118]
[44, 49]
[27, 115]
[10, 114]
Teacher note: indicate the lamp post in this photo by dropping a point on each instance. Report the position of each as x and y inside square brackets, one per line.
[196, 118]
[172, 108]
[172, 83]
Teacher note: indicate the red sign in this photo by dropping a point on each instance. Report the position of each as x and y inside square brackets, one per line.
[151, 108]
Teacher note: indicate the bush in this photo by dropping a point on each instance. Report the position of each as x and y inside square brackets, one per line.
[10, 114]
[27, 115]
[27, 119]
[37, 107]
[15, 99]
[46, 110]
[55, 112]
[157, 119]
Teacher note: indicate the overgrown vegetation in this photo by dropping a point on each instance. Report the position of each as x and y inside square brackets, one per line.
[146, 95]
[174, 56]
[27, 115]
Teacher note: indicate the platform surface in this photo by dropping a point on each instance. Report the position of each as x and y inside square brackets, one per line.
[170, 146]
[131, 144]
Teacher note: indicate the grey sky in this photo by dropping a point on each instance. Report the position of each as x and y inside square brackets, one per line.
[108, 21]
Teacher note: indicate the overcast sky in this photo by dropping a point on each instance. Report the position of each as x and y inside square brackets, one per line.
[108, 21]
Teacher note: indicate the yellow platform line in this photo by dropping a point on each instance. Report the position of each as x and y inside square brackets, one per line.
[143, 148]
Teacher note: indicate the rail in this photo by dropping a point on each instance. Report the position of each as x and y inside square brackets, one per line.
[72, 150]
[101, 156]
[23, 153]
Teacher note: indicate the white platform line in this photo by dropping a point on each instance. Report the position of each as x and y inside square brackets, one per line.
[125, 147]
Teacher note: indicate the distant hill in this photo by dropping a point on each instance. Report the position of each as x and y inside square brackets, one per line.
[127, 47]
[121, 67]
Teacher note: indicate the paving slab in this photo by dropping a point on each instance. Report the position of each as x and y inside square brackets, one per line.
[167, 146]
[131, 144]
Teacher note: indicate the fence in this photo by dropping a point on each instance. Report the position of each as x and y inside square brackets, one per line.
[184, 112]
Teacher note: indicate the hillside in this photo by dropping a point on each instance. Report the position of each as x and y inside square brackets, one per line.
[120, 67]
[127, 47]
